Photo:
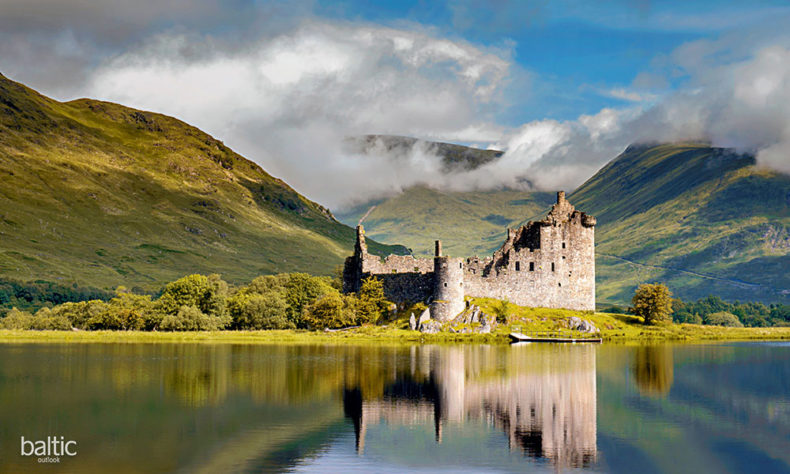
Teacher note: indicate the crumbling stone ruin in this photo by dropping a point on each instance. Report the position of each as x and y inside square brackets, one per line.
[549, 263]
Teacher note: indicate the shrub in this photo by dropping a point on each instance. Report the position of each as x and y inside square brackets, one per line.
[45, 319]
[135, 312]
[653, 302]
[16, 319]
[207, 294]
[370, 302]
[302, 290]
[332, 310]
[189, 318]
[259, 311]
[502, 310]
[723, 318]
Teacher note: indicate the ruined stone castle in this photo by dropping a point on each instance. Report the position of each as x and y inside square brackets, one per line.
[549, 263]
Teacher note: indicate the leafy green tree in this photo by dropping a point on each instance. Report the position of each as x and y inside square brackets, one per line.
[300, 291]
[723, 318]
[332, 310]
[206, 293]
[653, 302]
[267, 283]
[46, 319]
[16, 319]
[189, 318]
[82, 313]
[259, 311]
[370, 301]
[502, 311]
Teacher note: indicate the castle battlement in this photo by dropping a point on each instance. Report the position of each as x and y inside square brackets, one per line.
[549, 263]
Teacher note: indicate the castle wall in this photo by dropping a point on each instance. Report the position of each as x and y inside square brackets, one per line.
[405, 279]
[549, 276]
[549, 263]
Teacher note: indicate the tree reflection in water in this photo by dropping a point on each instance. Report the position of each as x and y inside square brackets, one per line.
[653, 370]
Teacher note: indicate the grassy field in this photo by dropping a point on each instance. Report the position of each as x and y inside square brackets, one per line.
[105, 195]
[614, 328]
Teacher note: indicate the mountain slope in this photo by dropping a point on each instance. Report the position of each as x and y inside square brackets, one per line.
[704, 220]
[468, 223]
[102, 194]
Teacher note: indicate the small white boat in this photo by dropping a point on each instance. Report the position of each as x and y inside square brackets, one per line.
[551, 337]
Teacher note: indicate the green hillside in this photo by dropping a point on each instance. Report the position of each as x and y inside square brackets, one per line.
[704, 220]
[468, 223]
[100, 194]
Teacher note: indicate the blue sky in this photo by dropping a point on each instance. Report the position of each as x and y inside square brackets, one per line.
[561, 86]
[576, 50]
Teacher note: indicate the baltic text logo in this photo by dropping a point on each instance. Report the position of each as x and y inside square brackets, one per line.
[48, 450]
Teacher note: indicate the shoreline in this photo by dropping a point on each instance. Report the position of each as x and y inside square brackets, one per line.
[383, 335]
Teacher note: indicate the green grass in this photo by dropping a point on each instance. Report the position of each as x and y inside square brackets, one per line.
[104, 195]
[614, 328]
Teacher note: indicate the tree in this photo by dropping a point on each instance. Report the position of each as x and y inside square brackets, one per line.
[300, 291]
[371, 303]
[332, 310]
[653, 302]
[259, 311]
[502, 311]
[190, 318]
[16, 319]
[206, 293]
[723, 318]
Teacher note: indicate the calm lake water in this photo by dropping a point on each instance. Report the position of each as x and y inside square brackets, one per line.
[240, 408]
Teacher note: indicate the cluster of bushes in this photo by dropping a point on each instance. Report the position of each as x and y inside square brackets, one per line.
[206, 303]
[654, 302]
[715, 311]
[31, 296]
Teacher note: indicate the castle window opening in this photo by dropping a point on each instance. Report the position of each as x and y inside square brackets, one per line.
[559, 284]
[552, 266]
[563, 257]
[532, 266]
[563, 245]
[445, 285]
[518, 266]
[460, 265]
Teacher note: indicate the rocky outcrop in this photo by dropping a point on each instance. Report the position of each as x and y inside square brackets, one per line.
[581, 325]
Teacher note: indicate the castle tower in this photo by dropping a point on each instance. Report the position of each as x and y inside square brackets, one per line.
[360, 247]
[448, 290]
[352, 269]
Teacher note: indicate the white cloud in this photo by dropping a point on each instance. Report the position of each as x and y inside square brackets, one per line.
[289, 100]
[629, 95]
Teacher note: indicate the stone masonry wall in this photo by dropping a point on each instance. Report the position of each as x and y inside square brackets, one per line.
[548, 263]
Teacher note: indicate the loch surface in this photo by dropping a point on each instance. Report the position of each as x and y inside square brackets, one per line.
[468, 408]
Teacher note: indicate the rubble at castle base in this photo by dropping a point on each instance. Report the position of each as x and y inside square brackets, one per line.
[549, 263]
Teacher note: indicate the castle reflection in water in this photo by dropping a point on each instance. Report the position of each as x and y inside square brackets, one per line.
[542, 398]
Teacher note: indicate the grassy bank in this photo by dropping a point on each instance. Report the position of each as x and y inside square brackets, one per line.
[614, 328]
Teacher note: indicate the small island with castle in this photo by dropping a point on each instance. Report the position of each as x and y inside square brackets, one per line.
[548, 263]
